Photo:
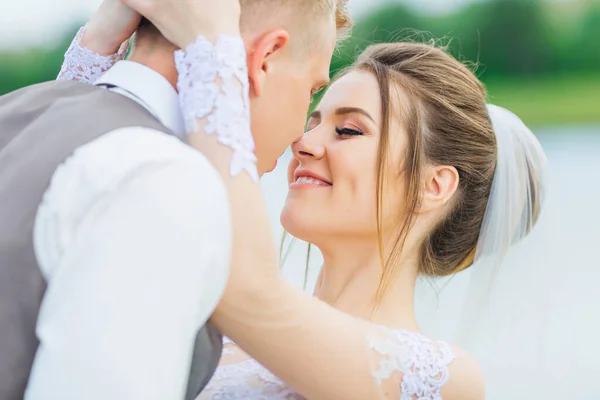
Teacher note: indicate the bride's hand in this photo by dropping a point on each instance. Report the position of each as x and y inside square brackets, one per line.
[181, 22]
[111, 25]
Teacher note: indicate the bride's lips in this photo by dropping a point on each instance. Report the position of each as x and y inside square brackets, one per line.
[305, 179]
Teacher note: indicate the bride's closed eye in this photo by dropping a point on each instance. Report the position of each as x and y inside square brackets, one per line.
[348, 132]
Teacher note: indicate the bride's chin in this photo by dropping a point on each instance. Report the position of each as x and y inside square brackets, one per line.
[298, 227]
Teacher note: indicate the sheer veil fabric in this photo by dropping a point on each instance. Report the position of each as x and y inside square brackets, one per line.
[525, 308]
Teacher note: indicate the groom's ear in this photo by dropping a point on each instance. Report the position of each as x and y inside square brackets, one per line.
[261, 54]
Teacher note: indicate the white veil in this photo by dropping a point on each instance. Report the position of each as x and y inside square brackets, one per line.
[497, 308]
[516, 198]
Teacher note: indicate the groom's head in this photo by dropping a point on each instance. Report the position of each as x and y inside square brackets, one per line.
[289, 45]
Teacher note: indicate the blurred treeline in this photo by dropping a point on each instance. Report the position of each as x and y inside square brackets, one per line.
[19, 68]
[528, 52]
[507, 38]
[540, 59]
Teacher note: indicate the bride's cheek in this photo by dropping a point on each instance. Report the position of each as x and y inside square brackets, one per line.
[294, 163]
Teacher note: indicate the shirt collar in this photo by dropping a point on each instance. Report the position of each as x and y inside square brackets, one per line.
[152, 89]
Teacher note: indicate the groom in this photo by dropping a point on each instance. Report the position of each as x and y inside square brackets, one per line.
[106, 238]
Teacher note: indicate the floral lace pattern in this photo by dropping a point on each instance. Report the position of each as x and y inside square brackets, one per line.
[422, 362]
[213, 85]
[83, 65]
[245, 379]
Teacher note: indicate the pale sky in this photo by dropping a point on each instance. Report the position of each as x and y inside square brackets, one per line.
[35, 22]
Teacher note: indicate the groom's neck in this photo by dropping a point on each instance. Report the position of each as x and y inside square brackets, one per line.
[156, 54]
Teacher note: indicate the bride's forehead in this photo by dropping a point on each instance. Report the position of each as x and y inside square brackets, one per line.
[354, 89]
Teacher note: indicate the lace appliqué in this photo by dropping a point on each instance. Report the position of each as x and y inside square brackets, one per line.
[83, 65]
[213, 85]
[422, 362]
[245, 380]
[409, 366]
[227, 351]
[396, 358]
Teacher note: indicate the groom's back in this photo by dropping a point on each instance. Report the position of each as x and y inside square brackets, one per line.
[40, 126]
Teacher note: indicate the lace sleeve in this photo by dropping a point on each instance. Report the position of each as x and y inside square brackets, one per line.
[213, 90]
[83, 65]
[408, 365]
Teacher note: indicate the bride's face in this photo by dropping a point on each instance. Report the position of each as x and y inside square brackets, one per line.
[333, 175]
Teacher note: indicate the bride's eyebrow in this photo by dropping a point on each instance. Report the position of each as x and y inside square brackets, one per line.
[353, 110]
[344, 111]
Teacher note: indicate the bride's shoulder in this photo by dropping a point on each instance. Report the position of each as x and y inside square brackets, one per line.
[466, 380]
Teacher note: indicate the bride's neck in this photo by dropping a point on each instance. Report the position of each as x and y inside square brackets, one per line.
[350, 278]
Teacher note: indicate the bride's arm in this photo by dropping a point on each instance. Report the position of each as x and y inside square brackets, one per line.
[101, 43]
[84, 64]
[320, 352]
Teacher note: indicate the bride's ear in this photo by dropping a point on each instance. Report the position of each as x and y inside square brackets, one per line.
[441, 183]
[261, 53]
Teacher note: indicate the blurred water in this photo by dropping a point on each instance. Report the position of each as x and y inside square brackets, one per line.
[542, 346]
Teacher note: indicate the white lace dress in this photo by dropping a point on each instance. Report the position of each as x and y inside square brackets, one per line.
[241, 377]
[407, 359]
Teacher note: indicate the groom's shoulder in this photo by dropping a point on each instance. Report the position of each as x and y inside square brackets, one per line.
[135, 147]
[54, 88]
[130, 152]
[40, 95]
[142, 161]
[68, 105]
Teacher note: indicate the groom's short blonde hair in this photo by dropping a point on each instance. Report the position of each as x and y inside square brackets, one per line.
[298, 15]
[301, 16]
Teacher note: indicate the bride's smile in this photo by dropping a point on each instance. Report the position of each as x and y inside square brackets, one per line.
[308, 179]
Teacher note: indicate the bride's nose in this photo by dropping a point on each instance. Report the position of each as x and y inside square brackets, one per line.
[308, 147]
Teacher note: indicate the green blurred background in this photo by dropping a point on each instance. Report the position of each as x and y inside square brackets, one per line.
[541, 59]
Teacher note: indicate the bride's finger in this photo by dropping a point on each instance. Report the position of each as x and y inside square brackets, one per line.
[181, 22]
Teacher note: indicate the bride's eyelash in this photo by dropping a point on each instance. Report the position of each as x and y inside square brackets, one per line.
[348, 132]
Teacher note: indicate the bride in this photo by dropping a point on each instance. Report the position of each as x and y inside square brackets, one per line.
[403, 171]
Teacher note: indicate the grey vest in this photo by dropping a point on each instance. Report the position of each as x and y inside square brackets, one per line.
[40, 126]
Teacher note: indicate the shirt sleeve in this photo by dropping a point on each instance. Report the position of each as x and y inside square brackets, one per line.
[133, 237]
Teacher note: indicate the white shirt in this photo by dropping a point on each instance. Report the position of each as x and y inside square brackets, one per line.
[133, 237]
